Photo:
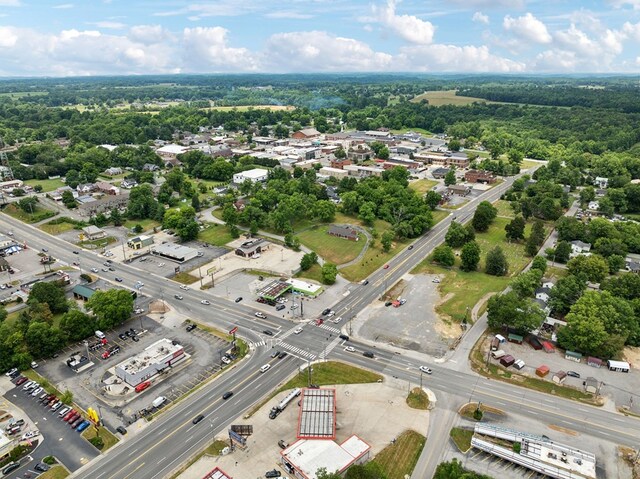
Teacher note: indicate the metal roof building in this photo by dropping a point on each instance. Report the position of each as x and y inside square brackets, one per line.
[174, 252]
[317, 418]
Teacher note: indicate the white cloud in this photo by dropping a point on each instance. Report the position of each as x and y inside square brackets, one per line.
[319, 51]
[289, 14]
[148, 34]
[205, 49]
[480, 17]
[63, 6]
[453, 58]
[635, 4]
[528, 28]
[574, 39]
[109, 25]
[555, 60]
[408, 27]
[491, 3]
[8, 37]
[10, 3]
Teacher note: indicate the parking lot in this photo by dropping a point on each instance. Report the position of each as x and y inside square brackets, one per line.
[56, 437]
[414, 325]
[25, 265]
[204, 350]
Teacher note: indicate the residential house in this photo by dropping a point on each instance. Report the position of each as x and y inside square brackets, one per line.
[127, 184]
[543, 294]
[57, 194]
[150, 167]
[593, 206]
[109, 148]
[220, 151]
[104, 204]
[85, 188]
[345, 232]
[632, 266]
[113, 171]
[480, 176]
[579, 247]
[107, 188]
[601, 182]
[306, 134]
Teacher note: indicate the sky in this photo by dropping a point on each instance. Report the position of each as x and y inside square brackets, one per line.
[133, 37]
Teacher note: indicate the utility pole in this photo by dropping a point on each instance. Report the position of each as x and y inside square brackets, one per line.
[200, 273]
[309, 367]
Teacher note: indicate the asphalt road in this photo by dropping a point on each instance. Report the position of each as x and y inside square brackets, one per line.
[171, 438]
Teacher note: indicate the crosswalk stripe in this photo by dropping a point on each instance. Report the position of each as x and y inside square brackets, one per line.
[329, 328]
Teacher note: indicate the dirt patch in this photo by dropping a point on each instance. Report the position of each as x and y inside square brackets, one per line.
[397, 290]
[631, 355]
[564, 430]
[444, 326]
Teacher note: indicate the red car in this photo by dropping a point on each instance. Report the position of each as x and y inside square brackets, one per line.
[68, 415]
[386, 266]
[319, 321]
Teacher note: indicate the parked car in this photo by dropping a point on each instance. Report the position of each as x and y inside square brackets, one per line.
[21, 380]
[12, 466]
[42, 467]
[122, 430]
[238, 299]
[260, 315]
[191, 327]
[34, 365]
[123, 336]
[283, 444]
[11, 372]
[272, 473]
[37, 391]
[280, 307]
[573, 374]
[83, 425]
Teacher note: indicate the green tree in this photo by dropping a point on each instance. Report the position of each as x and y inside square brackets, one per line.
[77, 325]
[565, 293]
[195, 202]
[457, 235]
[28, 204]
[509, 310]
[141, 203]
[68, 200]
[484, 216]
[593, 268]
[329, 273]
[50, 293]
[537, 233]
[525, 284]
[116, 217]
[496, 262]
[324, 211]
[450, 178]
[454, 470]
[616, 263]
[111, 307]
[539, 263]
[432, 199]
[138, 228]
[515, 228]
[470, 256]
[43, 340]
[308, 260]
[444, 256]
[386, 240]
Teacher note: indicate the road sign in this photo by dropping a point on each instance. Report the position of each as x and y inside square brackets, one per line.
[234, 330]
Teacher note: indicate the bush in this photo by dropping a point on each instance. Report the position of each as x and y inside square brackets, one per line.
[97, 442]
[477, 415]
[86, 277]
[49, 460]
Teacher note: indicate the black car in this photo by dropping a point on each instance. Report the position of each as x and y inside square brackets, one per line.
[76, 252]
[227, 395]
[410, 246]
[272, 473]
[123, 336]
[191, 327]
[282, 355]
[326, 311]
[573, 374]
[197, 419]
[275, 354]
[238, 299]
[119, 280]
[135, 338]
[365, 282]
[280, 307]
[122, 430]
[42, 467]
[267, 332]
[111, 268]
[15, 465]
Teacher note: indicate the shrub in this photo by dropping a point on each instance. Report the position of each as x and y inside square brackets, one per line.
[97, 442]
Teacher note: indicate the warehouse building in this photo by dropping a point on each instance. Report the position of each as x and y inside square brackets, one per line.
[174, 252]
[154, 359]
[140, 242]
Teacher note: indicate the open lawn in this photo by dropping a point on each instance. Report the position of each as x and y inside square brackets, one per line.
[422, 186]
[438, 216]
[147, 224]
[463, 290]
[331, 373]
[462, 438]
[215, 234]
[418, 399]
[526, 164]
[21, 94]
[56, 229]
[504, 209]
[373, 259]
[398, 459]
[38, 214]
[415, 130]
[314, 273]
[56, 472]
[331, 248]
[185, 278]
[98, 243]
[108, 439]
[447, 97]
[47, 185]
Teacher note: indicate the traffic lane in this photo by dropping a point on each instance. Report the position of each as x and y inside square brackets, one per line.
[169, 443]
[59, 439]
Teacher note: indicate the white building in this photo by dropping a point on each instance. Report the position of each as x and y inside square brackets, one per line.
[255, 175]
[579, 247]
[174, 252]
[172, 150]
[153, 360]
[333, 172]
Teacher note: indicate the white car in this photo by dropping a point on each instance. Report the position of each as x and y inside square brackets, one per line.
[184, 287]
[205, 301]
[160, 265]
[29, 435]
[34, 365]
[425, 370]
[94, 270]
[331, 314]
[435, 280]
[139, 284]
[260, 315]
[11, 371]
[294, 306]
[337, 320]
[226, 360]
[37, 391]
[350, 349]
[298, 330]
[139, 311]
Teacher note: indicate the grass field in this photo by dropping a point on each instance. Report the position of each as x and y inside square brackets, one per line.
[56, 472]
[147, 224]
[373, 259]
[422, 186]
[526, 164]
[447, 97]
[215, 234]
[47, 185]
[504, 209]
[314, 273]
[462, 438]
[39, 214]
[398, 459]
[438, 216]
[56, 229]
[331, 248]
[331, 373]
[418, 399]
[21, 94]
[98, 243]
[109, 439]
[185, 278]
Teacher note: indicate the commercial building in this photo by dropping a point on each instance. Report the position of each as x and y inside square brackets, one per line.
[317, 419]
[255, 175]
[305, 287]
[345, 232]
[154, 359]
[217, 473]
[5, 445]
[174, 252]
[249, 249]
[333, 172]
[82, 292]
[480, 176]
[92, 232]
[140, 242]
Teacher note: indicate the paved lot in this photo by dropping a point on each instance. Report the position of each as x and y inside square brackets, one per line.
[618, 387]
[375, 412]
[59, 439]
[411, 326]
[26, 264]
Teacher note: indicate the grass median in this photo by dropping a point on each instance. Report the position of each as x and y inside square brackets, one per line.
[399, 458]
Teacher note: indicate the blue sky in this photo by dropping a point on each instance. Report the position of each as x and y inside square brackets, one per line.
[97, 37]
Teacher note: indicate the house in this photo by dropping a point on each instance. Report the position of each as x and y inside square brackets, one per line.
[593, 206]
[591, 385]
[127, 184]
[542, 304]
[480, 176]
[109, 148]
[84, 188]
[113, 171]
[240, 205]
[93, 232]
[305, 134]
[104, 204]
[255, 175]
[543, 294]
[632, 266]
[221, 151]
[345, 232]
[439, 173]
[579, 247]
[107, 188]
[601, 182]
[460, 190]
[150, 167]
